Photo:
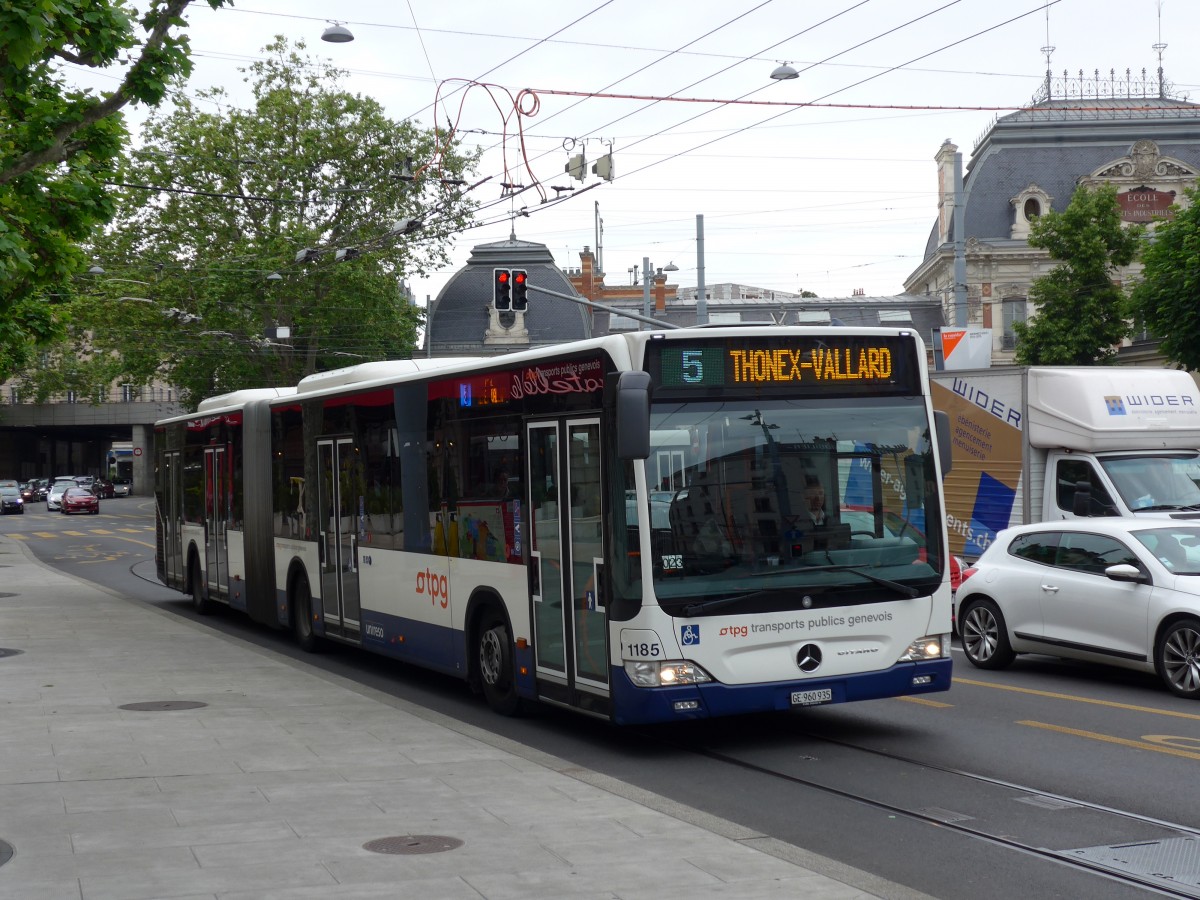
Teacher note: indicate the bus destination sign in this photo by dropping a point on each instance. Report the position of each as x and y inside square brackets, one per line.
[812, 364]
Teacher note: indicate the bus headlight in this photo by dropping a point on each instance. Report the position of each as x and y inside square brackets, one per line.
[932, 646]
[645, 673]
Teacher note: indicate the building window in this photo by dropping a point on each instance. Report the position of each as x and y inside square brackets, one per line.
[127, 393]
[813, 317]
[724, 318]
[14, 395]
[895, 317]
[1033, 209]
[622, 323]
[1012, 311]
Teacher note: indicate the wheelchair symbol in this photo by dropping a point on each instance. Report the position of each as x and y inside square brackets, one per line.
[689, 635]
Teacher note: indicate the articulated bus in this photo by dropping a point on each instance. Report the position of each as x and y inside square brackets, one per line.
[644, 527]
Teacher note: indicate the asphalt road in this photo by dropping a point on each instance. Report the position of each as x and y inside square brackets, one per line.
[956, 795]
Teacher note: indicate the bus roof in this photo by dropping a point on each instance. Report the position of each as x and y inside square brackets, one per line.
[374, 371]
[238, 398]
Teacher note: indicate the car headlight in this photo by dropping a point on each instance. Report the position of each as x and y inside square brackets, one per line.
[932, 646]
[670, 672]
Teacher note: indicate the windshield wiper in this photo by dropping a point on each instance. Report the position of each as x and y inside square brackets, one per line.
[695, 609]
[906, 590]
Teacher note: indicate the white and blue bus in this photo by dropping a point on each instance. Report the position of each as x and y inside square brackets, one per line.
[644, 527]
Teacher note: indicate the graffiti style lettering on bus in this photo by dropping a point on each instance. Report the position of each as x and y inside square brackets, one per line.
[567, 378]
[435, 586]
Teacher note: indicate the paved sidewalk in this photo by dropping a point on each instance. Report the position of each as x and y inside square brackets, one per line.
[273, 786]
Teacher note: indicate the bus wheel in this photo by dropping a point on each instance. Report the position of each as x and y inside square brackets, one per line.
[200, 603]
[302, 621]
[496, 668]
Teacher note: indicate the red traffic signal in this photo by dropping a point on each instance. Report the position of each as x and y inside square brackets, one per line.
[520, 289]
[502, 295]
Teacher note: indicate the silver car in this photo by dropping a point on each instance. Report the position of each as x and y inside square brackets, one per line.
[1122, 592]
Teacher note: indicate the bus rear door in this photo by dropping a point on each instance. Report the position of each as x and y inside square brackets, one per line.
[340, 471]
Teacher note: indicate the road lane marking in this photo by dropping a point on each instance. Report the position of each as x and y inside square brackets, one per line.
[131, 530]
[1056, 696]
[46, 534]
[75, 533]
[17, 537]
[937, 704]
[99, 531]
[1112, 739]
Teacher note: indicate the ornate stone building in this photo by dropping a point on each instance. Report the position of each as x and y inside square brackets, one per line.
[1128, 133]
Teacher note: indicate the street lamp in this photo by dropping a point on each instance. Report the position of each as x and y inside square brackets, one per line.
[784, 72]
[337, 33]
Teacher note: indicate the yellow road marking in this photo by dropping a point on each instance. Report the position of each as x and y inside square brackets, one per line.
[75, 533]
[131, 530]
[1110, 739]
[1056, 696]
[99, 531]
[937, 704]
[17, 537]
[46, 534]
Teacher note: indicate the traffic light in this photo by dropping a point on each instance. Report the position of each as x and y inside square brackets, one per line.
[502, 280]
[520, 289]
[604, 167]
[576, 166]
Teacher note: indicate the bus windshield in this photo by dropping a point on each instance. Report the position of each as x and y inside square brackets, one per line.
[813, 502]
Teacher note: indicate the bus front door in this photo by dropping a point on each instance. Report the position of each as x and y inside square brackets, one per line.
[567, 549]
[340, 475]
[216, 519]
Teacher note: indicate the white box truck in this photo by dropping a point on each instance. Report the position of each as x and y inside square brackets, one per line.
[1044, 443]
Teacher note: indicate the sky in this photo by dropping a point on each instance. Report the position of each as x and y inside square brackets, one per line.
[825, 182]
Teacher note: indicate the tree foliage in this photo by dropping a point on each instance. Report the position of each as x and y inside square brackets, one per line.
[60, 145]
[204, 247]
[1166, 302]
[1080, 316]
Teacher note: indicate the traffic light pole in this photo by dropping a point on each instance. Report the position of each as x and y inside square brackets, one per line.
[609, 309]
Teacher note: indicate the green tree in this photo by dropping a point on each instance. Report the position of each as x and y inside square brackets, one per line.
[1080, 316]
[1166, 302]
[229, 199]
[60, 145]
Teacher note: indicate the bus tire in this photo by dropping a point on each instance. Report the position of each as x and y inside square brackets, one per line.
[200, 603]
[496, 670]
[302, 618]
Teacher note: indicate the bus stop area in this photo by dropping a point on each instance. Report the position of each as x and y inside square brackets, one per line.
[143, 755]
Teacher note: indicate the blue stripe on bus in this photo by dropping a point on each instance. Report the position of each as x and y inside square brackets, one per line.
[639, 706]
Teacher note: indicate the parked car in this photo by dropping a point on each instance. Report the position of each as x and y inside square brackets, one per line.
[80, 500]
[10, 500]
[103, 488]
[1119, 591]
[55, 493]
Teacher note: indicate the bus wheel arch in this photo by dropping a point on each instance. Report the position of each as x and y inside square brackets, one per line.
[300, 609]
[491, 654]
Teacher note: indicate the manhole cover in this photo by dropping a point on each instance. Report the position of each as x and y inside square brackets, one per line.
[412, 844]
[163, 705]
[6, 852]
[8, 651]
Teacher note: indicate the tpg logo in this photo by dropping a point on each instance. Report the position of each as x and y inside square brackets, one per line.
[435, 585]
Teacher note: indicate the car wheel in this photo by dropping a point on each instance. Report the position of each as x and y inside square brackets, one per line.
[1177, 658]
[984, 635]
[496, 669]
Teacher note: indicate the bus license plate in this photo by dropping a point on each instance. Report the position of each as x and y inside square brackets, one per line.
[812, 698]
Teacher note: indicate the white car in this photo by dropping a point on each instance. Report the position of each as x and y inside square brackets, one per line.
[122, 488]
[57, 489]
[1125, 592]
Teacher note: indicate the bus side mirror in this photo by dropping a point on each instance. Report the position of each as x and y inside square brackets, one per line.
[633, 415]
[941, 427]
